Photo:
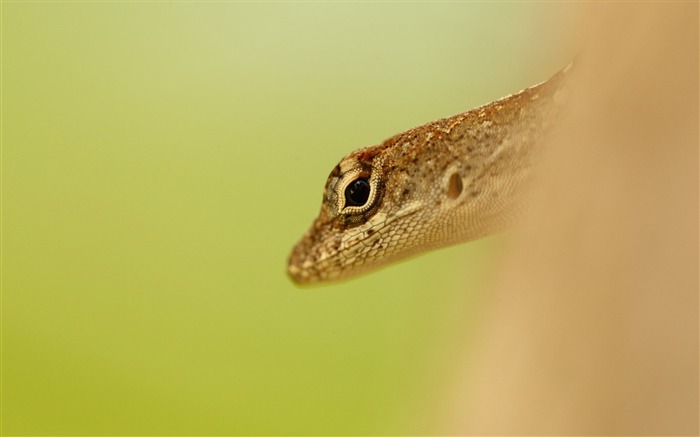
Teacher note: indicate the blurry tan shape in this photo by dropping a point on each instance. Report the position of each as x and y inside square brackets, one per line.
[592, 325]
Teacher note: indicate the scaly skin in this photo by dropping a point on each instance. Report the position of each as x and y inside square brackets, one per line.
[446, 182]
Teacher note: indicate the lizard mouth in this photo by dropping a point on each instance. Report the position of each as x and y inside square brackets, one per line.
[306, 261]
[325, 256]
[311, 262]
[298, 275]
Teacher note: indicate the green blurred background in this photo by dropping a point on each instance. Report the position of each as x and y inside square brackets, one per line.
[159, 161]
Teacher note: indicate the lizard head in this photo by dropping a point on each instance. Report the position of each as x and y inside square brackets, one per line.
[370, 215]
[448, 181]
[353, 195]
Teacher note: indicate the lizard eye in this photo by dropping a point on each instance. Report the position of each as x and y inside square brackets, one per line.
[357, 192]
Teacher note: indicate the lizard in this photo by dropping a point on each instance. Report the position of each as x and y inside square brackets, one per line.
[446, 182]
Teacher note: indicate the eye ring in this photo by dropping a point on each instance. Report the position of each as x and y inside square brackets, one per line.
[357, 192]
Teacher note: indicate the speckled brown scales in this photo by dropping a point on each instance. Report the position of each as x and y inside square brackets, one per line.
[446, 182]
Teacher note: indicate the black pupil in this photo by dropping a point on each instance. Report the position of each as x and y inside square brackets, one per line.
[357, 193]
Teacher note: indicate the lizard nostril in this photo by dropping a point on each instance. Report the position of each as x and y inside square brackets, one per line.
[454, 186]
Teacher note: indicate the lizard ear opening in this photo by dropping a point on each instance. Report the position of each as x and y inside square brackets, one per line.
[454, 186]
